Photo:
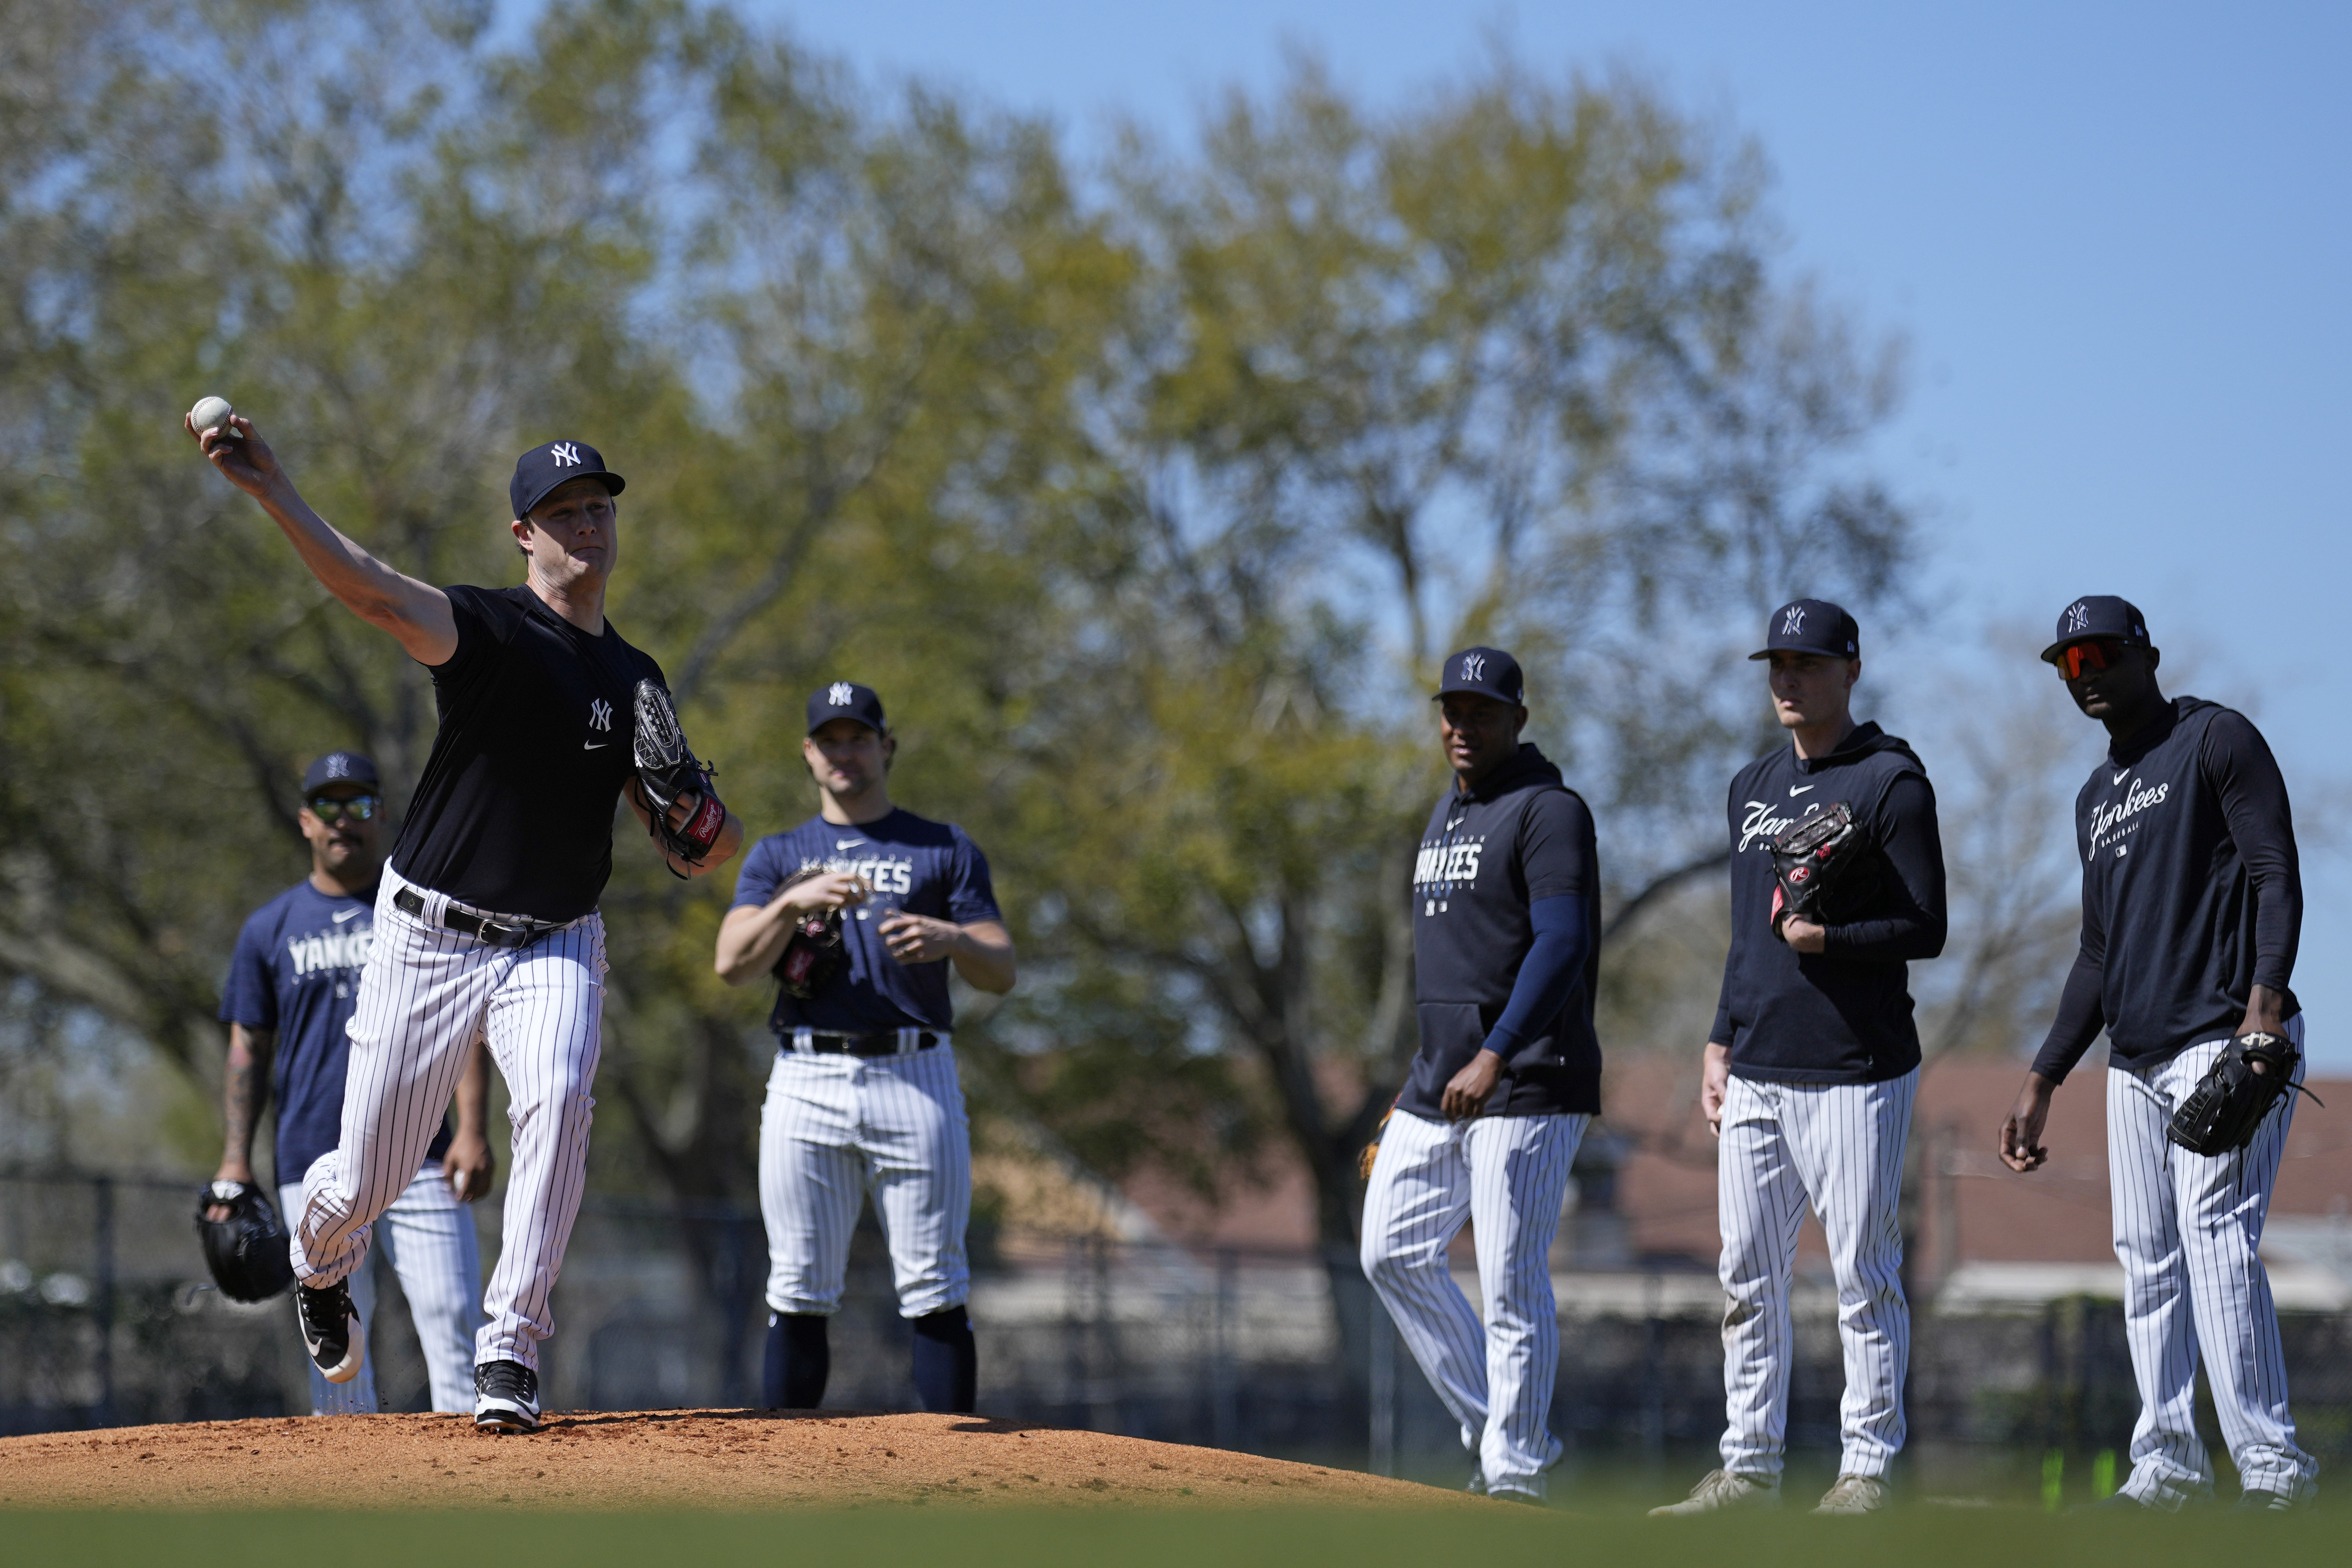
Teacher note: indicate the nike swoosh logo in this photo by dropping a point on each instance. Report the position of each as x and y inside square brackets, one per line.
[2120, 777]
[345, 915]
[1807, 790]
[849, 844]
[593, 745]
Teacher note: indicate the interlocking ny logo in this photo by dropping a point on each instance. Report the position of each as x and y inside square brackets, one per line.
[338, 766]
[2078, 619]
[1474, 667]
[838, 694]
[565, 454]
[599, 714]
[1793, 623]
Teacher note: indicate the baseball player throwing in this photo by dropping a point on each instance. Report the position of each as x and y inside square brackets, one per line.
[1837, 882]
[858, 912]
[485, 926]
[292, 985]
[1506, 902]
[2193, 904]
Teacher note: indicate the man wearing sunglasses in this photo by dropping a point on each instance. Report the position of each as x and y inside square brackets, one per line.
[2192, 905]
[1809, 1076]
[486, 924]
[292, 985]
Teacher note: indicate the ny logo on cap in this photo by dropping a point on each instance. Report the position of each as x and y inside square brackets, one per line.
[599, 714]
[565, 454]
[2079, 617]
[838, 694]
[1474, 667]
[338, 766]
[1793, 622]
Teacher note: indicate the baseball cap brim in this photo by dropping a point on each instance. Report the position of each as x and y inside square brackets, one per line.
[613, 485]
[2050, 654]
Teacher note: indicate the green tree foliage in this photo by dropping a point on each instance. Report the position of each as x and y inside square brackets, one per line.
[1148, 496]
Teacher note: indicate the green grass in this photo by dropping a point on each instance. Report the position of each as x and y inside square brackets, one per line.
[1920, 1536]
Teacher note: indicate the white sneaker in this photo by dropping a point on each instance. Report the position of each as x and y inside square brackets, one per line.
[1855, 1494]
[1721, 1489]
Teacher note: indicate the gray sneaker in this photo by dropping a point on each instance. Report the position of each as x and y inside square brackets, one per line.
[1855, 1494]
[1720, 1490]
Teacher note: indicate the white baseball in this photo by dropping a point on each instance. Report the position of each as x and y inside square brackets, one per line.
[214, 411]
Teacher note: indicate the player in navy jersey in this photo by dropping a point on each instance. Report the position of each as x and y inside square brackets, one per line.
[863, 1095]
[1507, 938]
[2192, 908]
[292, 985]
[1808, 1075]
[485, 923]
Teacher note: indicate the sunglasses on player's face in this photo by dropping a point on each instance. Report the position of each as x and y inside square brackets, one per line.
[2077, 659]
[359, 809]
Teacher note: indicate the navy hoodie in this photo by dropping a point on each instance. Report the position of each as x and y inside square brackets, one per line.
[1843, 1015]
[1521, 835]
[2191, 891]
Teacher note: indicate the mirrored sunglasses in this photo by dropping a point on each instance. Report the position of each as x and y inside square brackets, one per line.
[2076, 657]
[359, 809]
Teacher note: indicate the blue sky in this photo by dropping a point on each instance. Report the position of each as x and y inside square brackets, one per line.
[2117, 238]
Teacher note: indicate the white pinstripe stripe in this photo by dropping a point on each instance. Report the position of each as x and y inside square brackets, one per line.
[425, 995]
[835, 1126]
[1507, 1176]
[1840, 1148]
[2187, 1228]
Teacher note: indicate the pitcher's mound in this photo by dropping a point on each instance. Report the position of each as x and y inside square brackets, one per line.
[670, 1458]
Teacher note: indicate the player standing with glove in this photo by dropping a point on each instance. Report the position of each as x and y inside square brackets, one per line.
[292, 987]
[1837, 882]
[1506, 907]
[485, 923]
[858, 912]
[2192, 905]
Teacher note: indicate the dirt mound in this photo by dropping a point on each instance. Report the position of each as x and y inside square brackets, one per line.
[670, 1458]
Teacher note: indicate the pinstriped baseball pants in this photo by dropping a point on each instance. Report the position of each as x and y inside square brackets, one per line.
[1507, 1177]
[1838, 1147]
[837, 1127]
[2187, 1227]
[427, 1237]
[427, 995]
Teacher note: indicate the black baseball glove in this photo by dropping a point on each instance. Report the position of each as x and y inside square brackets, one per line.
[1810, 859]
[247, 1252]
[668, 773]
[815, 951]
[2228, 1106]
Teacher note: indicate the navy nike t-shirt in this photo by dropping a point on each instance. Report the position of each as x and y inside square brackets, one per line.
[296, 972]
[914, 864]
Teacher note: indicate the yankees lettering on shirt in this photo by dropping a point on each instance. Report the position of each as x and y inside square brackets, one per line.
[2192, 891]
[1841, 1015]
[1521, 835]
[296, 972]
[911, 863]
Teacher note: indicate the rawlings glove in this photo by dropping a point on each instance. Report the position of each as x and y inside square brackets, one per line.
[815, 951]
[247, 1252]
[1810, 860]
[1372, 1150]
[2228, 1106]
[668, 773]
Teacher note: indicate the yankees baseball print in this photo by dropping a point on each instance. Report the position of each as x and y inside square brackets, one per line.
[484, 924]
[2192, 909]
[1812, 1065]
[863, 1098]
[1506, 907]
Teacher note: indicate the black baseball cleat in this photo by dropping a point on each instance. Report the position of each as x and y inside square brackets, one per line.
[331, 1331]
[2254, 1500]
[506, 1397]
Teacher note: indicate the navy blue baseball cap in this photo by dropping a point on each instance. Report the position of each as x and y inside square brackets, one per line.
[339, 767]
[1486, 672]
[539, 470]
[846, 699]
[2098, 616]
[1811, 625]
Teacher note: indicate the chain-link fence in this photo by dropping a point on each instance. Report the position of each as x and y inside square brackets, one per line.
[106, 1319]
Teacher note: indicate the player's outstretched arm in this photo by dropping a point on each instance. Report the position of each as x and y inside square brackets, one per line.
[416, 613]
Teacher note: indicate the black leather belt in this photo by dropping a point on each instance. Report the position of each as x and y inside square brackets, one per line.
[881, 1043]
[509, 931]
